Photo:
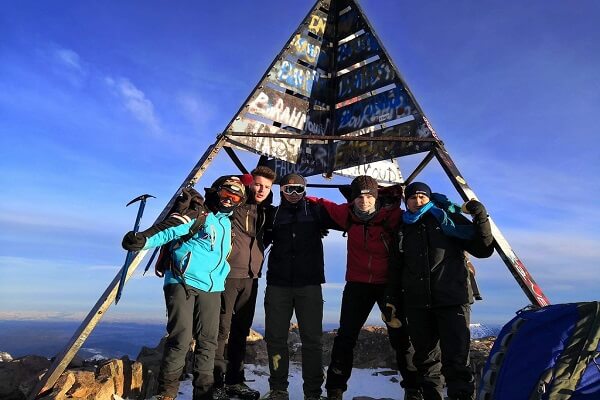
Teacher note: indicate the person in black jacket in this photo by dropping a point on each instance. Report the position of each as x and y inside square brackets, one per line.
[294, 277]
[432, 277]
[238, 301]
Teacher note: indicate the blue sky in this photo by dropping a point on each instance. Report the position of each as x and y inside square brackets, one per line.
[103, 101]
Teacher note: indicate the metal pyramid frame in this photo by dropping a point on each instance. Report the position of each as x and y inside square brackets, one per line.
[332, 99]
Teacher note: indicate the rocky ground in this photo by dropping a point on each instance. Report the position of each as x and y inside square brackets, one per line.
[125, 378]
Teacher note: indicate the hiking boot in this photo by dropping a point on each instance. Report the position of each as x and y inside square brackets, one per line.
[277, 395]
[242, 391]
[335, 394]
[413, 394]
[162, 397]
[220, 394]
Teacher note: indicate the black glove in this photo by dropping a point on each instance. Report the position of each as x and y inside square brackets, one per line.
[133, 241]
[324, 232]
[475, 208]
[388, 315]
[189, 199]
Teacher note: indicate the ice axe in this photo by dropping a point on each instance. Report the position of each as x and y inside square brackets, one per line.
[142, 199]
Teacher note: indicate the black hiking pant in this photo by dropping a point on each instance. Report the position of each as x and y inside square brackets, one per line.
[441, 338]
[358, 300]
[238, 302]
[280, 303]
[196, 317]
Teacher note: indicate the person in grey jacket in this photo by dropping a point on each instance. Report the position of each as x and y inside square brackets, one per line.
[238, 301]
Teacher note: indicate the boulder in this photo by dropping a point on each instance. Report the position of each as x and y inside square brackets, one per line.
[17, 377]
[61, 387]
[116, 378]
[84, 384]
[5, 357]
[480, 350]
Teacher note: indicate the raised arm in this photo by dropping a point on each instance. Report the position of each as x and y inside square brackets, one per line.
[174, 227]
[481, 245]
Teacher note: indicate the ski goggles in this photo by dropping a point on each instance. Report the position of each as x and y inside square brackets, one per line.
[225, 194]
[293, 189]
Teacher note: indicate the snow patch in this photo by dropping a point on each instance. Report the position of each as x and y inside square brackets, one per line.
[363, 382]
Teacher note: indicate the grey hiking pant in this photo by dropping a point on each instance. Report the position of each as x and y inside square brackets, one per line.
[238, 302]
[196, 317]
[280, 303]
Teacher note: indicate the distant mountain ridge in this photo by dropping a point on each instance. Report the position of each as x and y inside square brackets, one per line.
[110, 339]
[479, 331]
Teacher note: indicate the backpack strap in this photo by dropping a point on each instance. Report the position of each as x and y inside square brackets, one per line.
[560, 381]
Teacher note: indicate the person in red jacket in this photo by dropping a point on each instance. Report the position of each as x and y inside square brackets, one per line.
[370, 228]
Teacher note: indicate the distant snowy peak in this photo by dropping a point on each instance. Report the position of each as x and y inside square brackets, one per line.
[479, 331]
[92, 354]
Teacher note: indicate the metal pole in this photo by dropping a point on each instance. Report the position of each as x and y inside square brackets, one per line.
[63, 359]
[516, 267]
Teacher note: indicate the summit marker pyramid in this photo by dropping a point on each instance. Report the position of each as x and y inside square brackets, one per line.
[332, 101]
[332, 80]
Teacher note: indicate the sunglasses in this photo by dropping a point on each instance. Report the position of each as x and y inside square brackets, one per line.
[227, 195]
[293, 189]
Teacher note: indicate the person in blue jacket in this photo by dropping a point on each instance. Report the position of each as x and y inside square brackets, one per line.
[193, 284]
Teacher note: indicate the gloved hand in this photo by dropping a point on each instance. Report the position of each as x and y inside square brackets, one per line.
[324, 232]
[475, 208]
[388, 315]
[133, 241]
[189, 199]
[442, 201]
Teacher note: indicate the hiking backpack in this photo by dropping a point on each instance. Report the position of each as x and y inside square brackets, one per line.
[549, 353]
[189, 203]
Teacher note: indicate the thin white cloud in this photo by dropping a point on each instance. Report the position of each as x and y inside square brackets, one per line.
[69, 58]
[559, 257]
[136, 102]
[195, 109]
[41, 315]
[66, 64]
[539, 194]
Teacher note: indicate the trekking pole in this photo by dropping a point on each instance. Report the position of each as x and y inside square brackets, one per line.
[142, 199]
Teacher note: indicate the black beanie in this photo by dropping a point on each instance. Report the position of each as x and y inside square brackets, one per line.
[363, 184]
[292, 179]
[416, 188]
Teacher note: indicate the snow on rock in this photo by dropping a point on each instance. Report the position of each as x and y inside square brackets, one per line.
[5, 357]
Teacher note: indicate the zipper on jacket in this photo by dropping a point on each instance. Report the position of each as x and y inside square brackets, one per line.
[212, 283]
[385, 243]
